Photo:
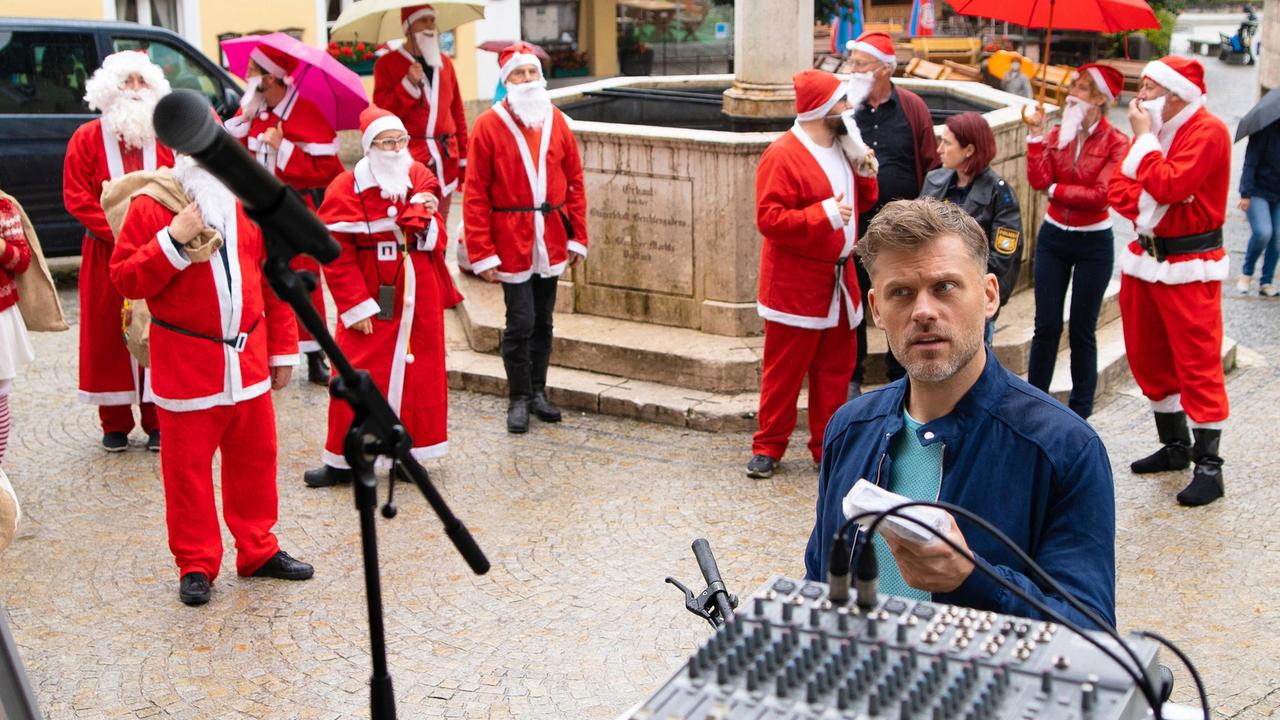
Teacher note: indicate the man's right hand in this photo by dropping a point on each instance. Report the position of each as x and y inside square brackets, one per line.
[490, 275]
[846, 211]
[1244, 204]
[416, 75]
[1035, 123]
[365, 326]
[187, 224]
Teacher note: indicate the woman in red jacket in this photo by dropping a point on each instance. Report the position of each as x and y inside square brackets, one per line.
[1072, 164]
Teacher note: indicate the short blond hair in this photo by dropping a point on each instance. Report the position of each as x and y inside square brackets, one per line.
[908, 225]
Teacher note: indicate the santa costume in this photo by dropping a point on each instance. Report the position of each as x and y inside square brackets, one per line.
[808, 293]
[392, 273]
[217, 333]
[306, 160]
[1173, 186]
[431, 110]
[526, 222]
[121, 141]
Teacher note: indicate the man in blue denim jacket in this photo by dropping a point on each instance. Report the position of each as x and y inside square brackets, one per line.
[962, 429]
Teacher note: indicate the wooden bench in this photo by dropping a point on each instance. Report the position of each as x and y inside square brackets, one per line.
[920, 68]
[1056, 81]
[1132, 71]
[1200, 46]
[936, 49]
[960, 71]
[888, 28]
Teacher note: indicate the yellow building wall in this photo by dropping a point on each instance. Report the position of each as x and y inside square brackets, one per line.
[65, 9]
[465, 63]
[598, 30]
[246, 16]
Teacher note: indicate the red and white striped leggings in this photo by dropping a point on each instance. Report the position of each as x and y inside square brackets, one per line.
[5, 387]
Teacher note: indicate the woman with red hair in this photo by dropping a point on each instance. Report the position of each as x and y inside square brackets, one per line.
[966, 149]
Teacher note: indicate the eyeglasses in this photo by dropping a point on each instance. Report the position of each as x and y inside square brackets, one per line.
[865, 65]
[391, 143]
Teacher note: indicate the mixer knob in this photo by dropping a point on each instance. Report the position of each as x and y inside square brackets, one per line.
[815, 617]
[788, 611]
[1046, 682]
[1061, 662]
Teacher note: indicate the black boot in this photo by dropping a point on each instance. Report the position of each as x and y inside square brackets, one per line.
[317, 368]
[518, 415]
[543, 408]
[1206, 479]
[326, 476]
[1176, 453]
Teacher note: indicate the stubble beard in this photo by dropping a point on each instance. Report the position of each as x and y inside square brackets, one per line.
[963, 347]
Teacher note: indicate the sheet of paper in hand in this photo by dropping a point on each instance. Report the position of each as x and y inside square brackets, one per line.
[867, 497]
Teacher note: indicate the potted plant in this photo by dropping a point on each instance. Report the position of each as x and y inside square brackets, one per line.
[568, 63]
[634, 57]
[358, 55]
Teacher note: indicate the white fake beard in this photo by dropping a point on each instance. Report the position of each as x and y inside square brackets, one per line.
[530, 102]
[217, 204]
[1072, 120]
[851, 142]
[252, 95]
[429, 46]
[859, 88]
[129, 117]
[1156, 108]
[391, 171]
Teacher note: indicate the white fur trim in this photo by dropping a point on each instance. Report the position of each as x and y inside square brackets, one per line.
[806, 322]
[334, 461]
[831, 208]
[123, 397]
[414, 91]
[1035, 139]
[363, 228]
[267, 63]
[1208, 425]
[1052, 187]
[382, 124]
[284, 360]
[284, 152]
[178, 259]
[415, 17]
[821, 111]
[1171, 404]
[1100, 82]
[1171, 80]
[1100, 225]
[221, 398]
[576, 247]
[306, 346]
[1144, 266]
[1144, 144]
[515, 61]
[317, 149]
[488, 263]
[365, 309]
[874, 52]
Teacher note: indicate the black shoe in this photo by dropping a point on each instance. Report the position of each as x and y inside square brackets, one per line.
[317, 368]
[193, 589]
[153, 440]
[518, 415]
[1176, 453]
[326, 477]
[283, 567]
[1206, 480]
[115, 442]
[543, 409]
[761, 467]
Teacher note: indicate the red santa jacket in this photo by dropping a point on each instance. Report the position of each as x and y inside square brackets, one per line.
[1175, 185]
[806, 247]
[16, 256]
[1077, 185]
[308, 155]
[90, 162]
[510, 178]
[432, 114]
[226, 297]
[374, 233]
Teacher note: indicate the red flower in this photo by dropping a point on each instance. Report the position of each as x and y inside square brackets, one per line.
[368, 56]
[346, 52]
[333, 51]
[333, 45]
[360, 47]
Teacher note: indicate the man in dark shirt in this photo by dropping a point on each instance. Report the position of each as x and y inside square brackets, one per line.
[895, 123]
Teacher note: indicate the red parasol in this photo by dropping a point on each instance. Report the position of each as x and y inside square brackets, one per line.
[497, 46]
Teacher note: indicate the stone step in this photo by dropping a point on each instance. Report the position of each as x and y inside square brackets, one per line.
[701, 361]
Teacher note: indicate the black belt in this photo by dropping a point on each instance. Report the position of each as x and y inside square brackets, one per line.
[1161, 248]
[236, 343]
[443, 142]
[545, 208]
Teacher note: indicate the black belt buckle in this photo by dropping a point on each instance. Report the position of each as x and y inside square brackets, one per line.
[545, 208]
[1153, 246]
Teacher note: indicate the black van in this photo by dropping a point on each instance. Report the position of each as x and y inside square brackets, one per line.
[43, 68]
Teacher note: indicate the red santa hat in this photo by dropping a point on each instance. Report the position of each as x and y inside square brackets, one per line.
[1181, 76]
[414, 13]
[1108, 80]
[876, 44]
[104, 86]
[513, 56]
[273, 61]
[816, 93]
[375, 120]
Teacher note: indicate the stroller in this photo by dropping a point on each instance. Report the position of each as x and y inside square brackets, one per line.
[1238, 49]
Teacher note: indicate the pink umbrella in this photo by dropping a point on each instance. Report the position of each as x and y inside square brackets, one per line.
[334, 88]
[497, 46]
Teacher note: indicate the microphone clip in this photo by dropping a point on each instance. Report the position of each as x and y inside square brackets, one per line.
[704, 605]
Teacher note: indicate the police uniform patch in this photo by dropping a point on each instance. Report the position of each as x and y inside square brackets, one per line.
[1007, 240]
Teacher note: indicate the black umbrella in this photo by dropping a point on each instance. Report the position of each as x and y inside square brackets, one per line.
[1261, 115]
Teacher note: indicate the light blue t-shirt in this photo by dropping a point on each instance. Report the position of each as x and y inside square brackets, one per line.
[916, 473]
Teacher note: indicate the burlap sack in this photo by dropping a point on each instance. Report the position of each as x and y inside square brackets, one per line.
[37, 297]
[10, 512]
[137, 330]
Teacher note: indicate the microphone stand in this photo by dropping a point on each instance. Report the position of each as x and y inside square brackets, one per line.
[375, 431]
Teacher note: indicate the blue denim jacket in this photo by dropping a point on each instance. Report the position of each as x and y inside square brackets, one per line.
[1012, 455]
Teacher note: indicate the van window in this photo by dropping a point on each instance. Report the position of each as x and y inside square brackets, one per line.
[180, 68]
[45, 72]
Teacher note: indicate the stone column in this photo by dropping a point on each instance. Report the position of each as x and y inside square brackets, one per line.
[772, 40]
[1269, 34]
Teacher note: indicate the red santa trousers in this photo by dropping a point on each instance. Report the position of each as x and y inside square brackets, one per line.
[1173, 335]
[246, 434]
[790, 353]
[307, 343]
[109, 378]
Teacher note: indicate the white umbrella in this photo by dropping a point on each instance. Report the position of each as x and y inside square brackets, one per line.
[378, 21]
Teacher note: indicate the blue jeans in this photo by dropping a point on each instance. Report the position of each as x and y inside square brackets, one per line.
[1059, 252]
[1264, 220]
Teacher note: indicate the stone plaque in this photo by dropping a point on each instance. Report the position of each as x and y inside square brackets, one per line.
[641, 231]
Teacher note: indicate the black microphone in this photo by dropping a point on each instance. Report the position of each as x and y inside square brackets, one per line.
[184, 122]
[711, 573]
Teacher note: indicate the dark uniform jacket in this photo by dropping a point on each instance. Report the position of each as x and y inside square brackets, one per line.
[990, 201]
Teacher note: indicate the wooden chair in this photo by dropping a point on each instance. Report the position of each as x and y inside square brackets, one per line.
[1056, 81]
[937, 49]
[960, 71]
[920, 68]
